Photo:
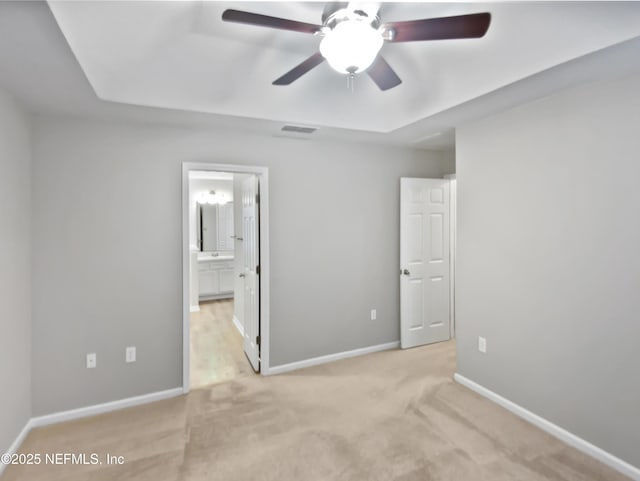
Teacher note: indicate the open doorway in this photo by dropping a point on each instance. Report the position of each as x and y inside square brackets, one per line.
[225, 273]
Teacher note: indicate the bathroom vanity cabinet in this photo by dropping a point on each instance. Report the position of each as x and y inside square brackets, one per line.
[215, 278]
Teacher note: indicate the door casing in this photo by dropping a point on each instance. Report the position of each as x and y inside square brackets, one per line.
[263, 178]
[453, 209]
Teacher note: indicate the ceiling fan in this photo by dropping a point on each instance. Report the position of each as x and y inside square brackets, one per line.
[352, 36]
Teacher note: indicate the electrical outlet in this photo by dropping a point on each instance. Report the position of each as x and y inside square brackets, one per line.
[482, 345]
[130, 354]
[91, 360]
[374, 314]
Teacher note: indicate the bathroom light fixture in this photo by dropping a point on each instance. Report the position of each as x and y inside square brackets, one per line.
[212, 198]
[352, 44]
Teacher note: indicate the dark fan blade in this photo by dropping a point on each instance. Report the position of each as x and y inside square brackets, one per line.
[462, 26]
[266, 21]
[298, 71]
[382, 74]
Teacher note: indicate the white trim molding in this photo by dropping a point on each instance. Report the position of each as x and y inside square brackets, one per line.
[562, 434]
[103, 408]
[453, 186]
[265, 268]
[194, 308]
[314, 361]
[15, 446]
[239, 327]
[87, 411]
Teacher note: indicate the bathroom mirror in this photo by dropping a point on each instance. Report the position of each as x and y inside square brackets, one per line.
[208, 216]
[215, 227]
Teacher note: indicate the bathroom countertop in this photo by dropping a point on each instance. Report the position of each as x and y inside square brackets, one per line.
[209, 257]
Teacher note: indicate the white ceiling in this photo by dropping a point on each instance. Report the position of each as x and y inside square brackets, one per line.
[38, 67]
[180, 55]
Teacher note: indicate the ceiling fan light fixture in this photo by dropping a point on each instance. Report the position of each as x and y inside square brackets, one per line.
[353, 36]
[351, 46]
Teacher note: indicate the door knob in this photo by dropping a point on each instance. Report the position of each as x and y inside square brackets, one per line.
[240, 275]
[406, 272]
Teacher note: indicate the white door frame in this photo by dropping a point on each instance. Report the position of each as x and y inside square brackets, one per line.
[452, 251]
[263, 176]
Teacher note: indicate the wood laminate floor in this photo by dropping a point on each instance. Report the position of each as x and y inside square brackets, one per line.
[217, 353]
[394, 415]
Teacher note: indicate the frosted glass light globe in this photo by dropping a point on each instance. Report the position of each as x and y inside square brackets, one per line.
[351, 46]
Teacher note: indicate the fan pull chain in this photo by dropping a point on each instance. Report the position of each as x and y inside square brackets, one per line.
[351, 81]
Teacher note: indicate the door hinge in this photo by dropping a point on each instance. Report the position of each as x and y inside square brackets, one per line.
[257, 198]
[257, 340]
[258, 270]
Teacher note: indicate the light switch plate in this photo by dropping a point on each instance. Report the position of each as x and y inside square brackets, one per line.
[374, 315]
[482, 345]
[130, 354]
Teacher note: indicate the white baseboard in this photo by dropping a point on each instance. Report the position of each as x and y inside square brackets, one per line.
[194, 308]
[103, 408]
[239, 326]
[314, 361]
[571, 439]
[16, 443]
[62, 416]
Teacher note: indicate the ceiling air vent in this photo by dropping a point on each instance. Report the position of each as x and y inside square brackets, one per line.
[299, 130]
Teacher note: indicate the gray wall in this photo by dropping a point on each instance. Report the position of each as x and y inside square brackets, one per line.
[107, 250]
[15, 271]
[548, 267]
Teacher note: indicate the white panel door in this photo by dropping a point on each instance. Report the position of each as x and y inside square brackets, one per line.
[424, 261]
[251, 246]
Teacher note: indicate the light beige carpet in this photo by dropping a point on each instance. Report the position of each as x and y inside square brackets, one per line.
[394, 415]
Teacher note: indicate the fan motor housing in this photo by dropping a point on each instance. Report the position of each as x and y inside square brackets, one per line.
[342, 14]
